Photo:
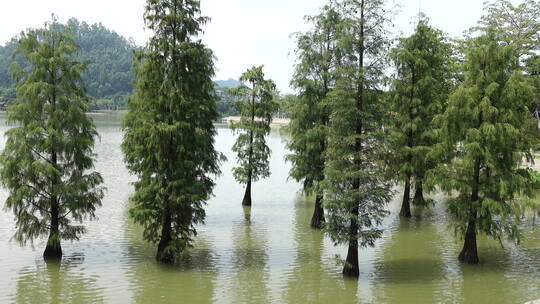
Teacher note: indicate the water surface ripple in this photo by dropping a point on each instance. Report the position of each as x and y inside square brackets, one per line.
[266, 254]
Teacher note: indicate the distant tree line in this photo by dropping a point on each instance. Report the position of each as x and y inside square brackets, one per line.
[107, 79]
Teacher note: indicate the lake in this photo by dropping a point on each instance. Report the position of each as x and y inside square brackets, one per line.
[268, 254]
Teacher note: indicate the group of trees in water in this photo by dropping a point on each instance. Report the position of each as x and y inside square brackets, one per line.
[455, 116]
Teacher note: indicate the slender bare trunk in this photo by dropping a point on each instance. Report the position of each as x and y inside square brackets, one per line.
[53, 250]
[246, 201]
[469, 253]
[247, 195]
[351, 267]
[318, 213]
[419, 193]
[166, 236]
[405, 205]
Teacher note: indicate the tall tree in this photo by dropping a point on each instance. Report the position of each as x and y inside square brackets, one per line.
[256, 106]
[47, 160]
[488, 123]
[310, 115]
[419, 92]
[169, 131]
[356, 190]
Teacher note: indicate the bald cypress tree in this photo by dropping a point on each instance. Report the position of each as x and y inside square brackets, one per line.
[169, 131]
[256, 105]
[419, 92]
[310, 114]
[47, 160]
[355, 185]
[487, 125]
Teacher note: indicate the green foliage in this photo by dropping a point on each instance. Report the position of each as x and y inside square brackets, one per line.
[355, 187]
[284, 104]
[419, 92]
[7, 95]
[47, 160]
[534, 177]
[516, 26]
[226, 102]
[310, 113]
[488, 129]
[256, 106]
[108, 56]
[169, 131]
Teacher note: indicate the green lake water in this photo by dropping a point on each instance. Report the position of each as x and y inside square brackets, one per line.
[264, 255]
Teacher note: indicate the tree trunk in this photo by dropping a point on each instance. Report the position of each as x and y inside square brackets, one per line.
[318, 214]
[54, 248]
[163, 256]
[469, 253]
[419, 194]
[351, 268]
[247, 196]
[405, 205]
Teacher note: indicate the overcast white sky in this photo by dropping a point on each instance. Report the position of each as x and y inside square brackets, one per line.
[242, 33]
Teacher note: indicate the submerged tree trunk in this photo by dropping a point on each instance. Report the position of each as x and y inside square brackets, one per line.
[318, 214]
[405, 205]
[246, 201]
[166, 237]
[247, 196]
[351, 268]
[419, 193]
[54, 248]
[469, 253]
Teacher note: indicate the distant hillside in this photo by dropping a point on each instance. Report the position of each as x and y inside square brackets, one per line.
[108, 77]
[229, 83]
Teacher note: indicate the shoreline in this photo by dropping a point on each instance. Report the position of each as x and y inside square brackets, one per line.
[276, 122]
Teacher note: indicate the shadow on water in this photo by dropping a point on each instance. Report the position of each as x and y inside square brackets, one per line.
[57, 282]
[249, 278]
[313, 277]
